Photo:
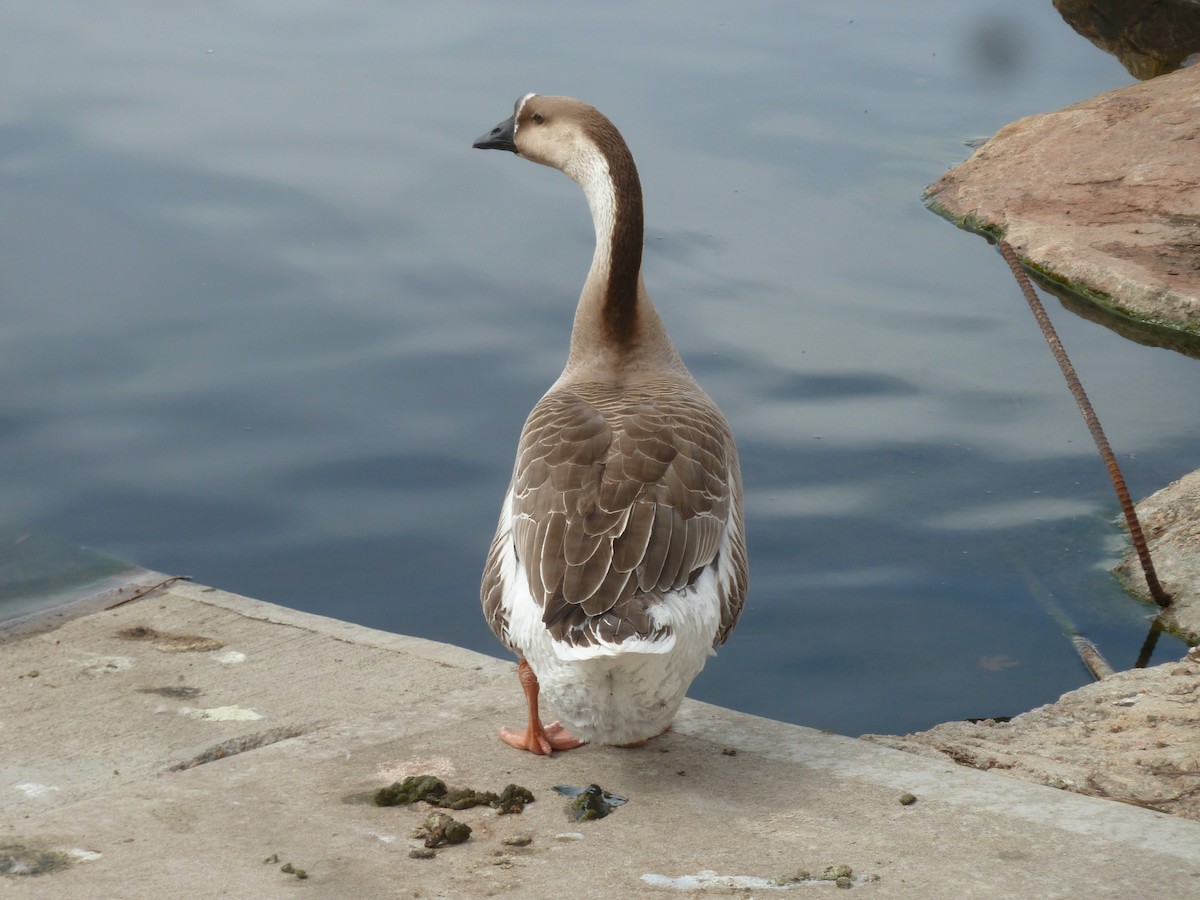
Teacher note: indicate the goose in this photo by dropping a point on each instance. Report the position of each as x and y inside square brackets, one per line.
[619, 561]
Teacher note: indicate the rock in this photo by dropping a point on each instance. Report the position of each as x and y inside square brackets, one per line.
[1149, 39]
[1133, 737]
[1171, 522]
[1103, 197]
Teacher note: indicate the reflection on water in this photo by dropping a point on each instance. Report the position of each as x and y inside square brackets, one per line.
[39, 572]
[1150, 39]
[270, 323]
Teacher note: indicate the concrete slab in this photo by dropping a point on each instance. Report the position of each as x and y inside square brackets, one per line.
[101, 709]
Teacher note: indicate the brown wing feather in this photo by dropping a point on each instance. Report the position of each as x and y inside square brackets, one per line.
[618, 497]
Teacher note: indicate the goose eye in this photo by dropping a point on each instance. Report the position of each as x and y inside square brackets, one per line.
[539, 118]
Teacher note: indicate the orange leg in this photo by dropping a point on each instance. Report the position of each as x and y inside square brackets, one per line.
[535, 738]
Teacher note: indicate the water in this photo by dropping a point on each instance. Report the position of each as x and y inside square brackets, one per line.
[268, 321]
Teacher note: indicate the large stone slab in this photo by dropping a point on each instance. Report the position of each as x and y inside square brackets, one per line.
[1133, 737]
[1103, 197]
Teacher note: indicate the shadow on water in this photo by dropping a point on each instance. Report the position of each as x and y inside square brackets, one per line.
[1145, 333]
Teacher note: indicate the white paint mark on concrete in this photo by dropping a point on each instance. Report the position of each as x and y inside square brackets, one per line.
[33, 789]
[229, 657]
[709, 880]
[220, 714]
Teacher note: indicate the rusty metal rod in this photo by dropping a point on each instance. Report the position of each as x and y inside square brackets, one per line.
[1093, 423]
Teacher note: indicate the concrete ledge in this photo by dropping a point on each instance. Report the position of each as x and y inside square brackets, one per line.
[286, 720]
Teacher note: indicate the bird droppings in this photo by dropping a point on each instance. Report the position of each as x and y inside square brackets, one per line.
[907, 799]
[412, 789]
[170, 643]
[518, 840]
[729, 751]
[439, 829]
[289, 869]
[513, 799]
[421, 853]
[19, 860]
[433, 791]
[842, 876]
[588, 803]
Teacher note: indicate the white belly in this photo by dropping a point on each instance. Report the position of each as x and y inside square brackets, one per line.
[614, 695]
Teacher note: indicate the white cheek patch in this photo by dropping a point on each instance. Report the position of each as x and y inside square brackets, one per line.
[517, 113]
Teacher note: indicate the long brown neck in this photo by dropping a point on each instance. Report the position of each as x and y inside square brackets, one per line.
[615, 323]
[625, 243]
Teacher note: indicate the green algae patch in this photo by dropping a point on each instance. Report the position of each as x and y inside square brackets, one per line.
[967, 222]
[434, 791]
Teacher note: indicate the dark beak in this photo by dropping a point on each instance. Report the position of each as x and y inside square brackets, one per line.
[499, 138]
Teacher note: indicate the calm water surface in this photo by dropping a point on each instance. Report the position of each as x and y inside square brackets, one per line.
[268, 321]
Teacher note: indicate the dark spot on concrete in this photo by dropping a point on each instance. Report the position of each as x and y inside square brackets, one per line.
[170, 643]
[17, 859]
[238, 745]
[175, 693]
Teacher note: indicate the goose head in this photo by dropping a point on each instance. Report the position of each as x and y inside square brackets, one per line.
[560, 132]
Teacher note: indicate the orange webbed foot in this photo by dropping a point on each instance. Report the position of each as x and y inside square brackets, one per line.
[536, 738]
[540, 740]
